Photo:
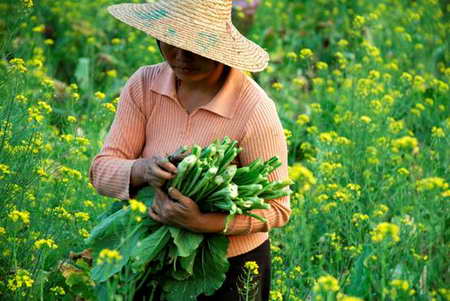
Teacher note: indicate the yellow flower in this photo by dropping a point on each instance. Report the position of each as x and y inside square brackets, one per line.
[2, 231]
[327, 137]
[100, 95]
[71, 119]
[437, 132]
[137, 206]
[116, 41]
[318, 81]
[431, 183]
[302, 119]
[84, 216]
[405, 143]
[359, 21]
[292, 55]
[4, 170]
[381, 210]
[306, 53]
[20, 279]
[395, 126]
[326, 283]
[57, 290]
[88, 203]
[385, 231]
[28, 3]
[406, 77]
[277, 259]
[328, 168]
[109, 106]
[40, 28]
[49, 42]
[300, 81]
[400, 285]
[403, 171]
[316, 107]
[365, 119]
[302, 175]
[45, 106]
[21, 98]
[16, 215]
[343, 141]
[342, 43]
[111, 73]
[50, 243]
[276, 296]
[109, 256]
[75, 96]
[287, 134]
[277, 86]
[312, 129]
[252, 267]
[322, 65]
[359, 217]
[83, 232]
[18, 64]
[374, 74]
[327, 207]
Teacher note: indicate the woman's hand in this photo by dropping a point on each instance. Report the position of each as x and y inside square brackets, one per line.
[176, 210]
[154, 171]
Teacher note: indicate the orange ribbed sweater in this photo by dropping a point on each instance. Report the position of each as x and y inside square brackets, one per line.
[151, 121]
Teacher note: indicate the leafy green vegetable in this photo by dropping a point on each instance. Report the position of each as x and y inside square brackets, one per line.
[182, 263]
[186, 242]
[210, 267]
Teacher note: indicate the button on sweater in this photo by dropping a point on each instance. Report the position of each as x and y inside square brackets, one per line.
[151, 121]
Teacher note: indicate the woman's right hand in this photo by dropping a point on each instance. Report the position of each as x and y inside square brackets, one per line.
[154, 171]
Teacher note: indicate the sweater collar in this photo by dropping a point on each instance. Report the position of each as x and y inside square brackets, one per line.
[222, 104]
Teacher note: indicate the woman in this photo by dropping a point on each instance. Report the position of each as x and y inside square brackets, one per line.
[196, 96]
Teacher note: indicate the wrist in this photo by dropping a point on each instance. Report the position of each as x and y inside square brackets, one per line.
[209, 223]
[137, 172]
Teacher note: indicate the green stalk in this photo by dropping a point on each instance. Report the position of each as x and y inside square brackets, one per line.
[203, 182]
[183, 168]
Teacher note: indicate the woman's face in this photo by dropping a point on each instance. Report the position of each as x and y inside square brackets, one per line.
[188, 66]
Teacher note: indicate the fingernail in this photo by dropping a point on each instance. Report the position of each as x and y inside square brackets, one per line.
[170, 189]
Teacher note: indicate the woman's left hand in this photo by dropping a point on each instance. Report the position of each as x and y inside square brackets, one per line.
[175, 209]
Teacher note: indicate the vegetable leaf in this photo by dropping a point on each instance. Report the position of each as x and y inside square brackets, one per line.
[187, 242]
[148, 248]
[210, 266]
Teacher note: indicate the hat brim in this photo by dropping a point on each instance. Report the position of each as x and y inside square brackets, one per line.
[218, 42]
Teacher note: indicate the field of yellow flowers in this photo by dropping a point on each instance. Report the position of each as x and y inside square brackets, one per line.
[362, 88]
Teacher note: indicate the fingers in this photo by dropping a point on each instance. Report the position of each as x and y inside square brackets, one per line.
[183, 200]
[175, 194]
[158, 170]
[154, 215]
[157, 173]
[165, 164]
[162, 206]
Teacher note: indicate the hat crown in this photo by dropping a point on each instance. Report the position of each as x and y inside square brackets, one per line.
[203, 27]
[218, 10]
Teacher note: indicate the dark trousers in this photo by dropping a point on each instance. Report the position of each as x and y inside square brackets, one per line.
[229, 291]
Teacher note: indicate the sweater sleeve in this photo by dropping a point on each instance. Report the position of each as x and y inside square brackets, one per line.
[264, 138]
[110, 170]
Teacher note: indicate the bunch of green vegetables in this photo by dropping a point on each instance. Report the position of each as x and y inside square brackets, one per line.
[182, 263]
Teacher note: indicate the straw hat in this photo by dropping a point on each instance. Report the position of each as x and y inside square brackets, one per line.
[200, 26]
